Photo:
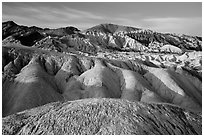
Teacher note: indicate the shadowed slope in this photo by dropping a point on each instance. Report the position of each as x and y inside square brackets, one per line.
[73, 77]
[174, 88]
[134, 87]
[32, 87]
[97, 82]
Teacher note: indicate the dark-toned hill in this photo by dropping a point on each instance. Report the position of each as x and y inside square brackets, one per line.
[111, 28]
[29, 35]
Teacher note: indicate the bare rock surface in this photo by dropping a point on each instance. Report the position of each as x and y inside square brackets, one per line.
[103, 116]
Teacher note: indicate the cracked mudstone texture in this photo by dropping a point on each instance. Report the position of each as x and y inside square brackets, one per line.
[103, 116]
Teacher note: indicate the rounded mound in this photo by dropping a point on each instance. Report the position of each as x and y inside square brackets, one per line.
[103, 116]
[171, 49]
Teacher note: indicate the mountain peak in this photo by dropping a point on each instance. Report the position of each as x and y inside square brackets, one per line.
[11, 23]
[111, 28]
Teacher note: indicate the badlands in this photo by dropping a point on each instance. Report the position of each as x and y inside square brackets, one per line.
[108, 79]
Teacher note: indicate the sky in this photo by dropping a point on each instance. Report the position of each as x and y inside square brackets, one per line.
[166, 17]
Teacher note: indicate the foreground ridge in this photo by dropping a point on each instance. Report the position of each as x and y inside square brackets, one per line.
[103, 116]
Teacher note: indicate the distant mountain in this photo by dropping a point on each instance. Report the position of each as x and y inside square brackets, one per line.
[146, 38]
[29, 35]
[111, 28]
[102, 37]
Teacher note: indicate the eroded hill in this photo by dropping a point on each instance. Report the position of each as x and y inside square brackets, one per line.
[128, 65]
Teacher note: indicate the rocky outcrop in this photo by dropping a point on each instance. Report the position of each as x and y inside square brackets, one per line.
[103, 117]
